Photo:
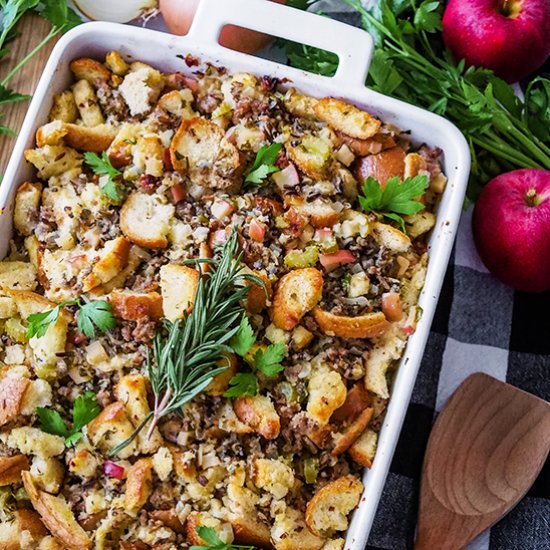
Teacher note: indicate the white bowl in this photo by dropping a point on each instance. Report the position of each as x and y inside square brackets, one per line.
[354, 48]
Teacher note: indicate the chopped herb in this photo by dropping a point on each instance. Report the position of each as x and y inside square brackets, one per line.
[396, 198]
[268, 361]
[102, 166]
[97, 314]
[91, 315]
[213, 541]
[85, 409]
[264, 164]
[243, 340]
[243, 383]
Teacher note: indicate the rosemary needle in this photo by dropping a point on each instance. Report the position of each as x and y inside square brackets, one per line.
[187, 358]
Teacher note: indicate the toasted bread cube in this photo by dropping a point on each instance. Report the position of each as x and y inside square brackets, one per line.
[335, 544]
[116, 64]
[88, 69]
[56, 515]
[312, 154]
[321, 212]
[387, 350]
[25, 529]
[51, 133]
[258, 296]
[17, 275]
[120, 151]
[139, 485]
[145, 220]
[300, 105]
[220, 383]
[87, 104]
[199, 150]
[47, 347]
[289, 532]
[34, 441]
[11, 468]
[228, 421]
[132, 306]
[419, 223]
[141, 88]
[53, 160]
[48, 473]
[327, 511]
[364, 449]
[110, 428]
[95, 139]
[7, 307]
[14, 383]
[297, 293]
[391, 238]
[64, 107]
[273, 476]
[370, 325]
[347, 118]
[178, 285]
[198, 519]
[113, 257]
[148, 156]
[83, 464]
[350, 435]
[178, 103]
[301, 338]
[259, 413]
[414, 164]
[327, 392]
[132, 391]
[27, 204]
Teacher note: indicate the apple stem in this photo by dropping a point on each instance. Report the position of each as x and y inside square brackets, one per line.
[532, 199]
[510, 8]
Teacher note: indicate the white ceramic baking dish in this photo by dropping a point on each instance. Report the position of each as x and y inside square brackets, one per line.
[354, 48]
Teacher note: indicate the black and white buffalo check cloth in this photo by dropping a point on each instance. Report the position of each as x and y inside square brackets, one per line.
[480, 326]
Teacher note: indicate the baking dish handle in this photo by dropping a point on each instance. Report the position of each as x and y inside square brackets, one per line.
[354, 47]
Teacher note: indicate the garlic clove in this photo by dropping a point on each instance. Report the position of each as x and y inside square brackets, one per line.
[120, 11]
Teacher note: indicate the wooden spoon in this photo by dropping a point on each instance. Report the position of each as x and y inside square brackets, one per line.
[486, 449]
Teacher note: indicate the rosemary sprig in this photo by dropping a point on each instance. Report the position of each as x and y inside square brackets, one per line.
[187, 358]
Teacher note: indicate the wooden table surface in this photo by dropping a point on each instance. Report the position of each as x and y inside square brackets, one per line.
[32, 29]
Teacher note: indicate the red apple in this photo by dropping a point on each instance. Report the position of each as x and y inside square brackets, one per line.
[512, 37]
[511, 226]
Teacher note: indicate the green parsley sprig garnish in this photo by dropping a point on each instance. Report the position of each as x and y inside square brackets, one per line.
[186, 357]
[85, 409]
[60, 16]
[97, 314]
[396, 198]
[101, 165]
[267, 361]
[210, 537]
[264, 164]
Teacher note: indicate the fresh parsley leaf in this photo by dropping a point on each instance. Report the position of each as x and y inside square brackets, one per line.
[396, 198]
[428, 16]
[85, 409]
[59, 14]
[243, 340]
[39, 322]
[97, 314]
[243, 383]
[268, 361]
[308, 58]
[102, 166]
[537, 108]
[9, 96]
[51, 422]
[264, 164]
[213, 541]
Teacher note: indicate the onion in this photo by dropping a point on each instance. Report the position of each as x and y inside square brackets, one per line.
[340, 257]
[359, 301]
[120, 11]
[287, 178]
[344, 155]
[178, 16]
[113, 470]
[256, 230]
[221, 209]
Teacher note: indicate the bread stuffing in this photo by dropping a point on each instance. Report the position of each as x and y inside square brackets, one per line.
[210, 284]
